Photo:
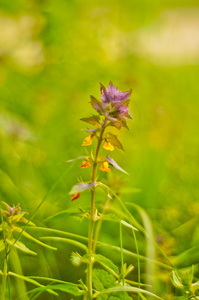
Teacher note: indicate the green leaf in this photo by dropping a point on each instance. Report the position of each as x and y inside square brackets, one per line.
[128, 225]
[70, 241]
[81, 187]
[74, 211]
[114, 218]
[69, 288]
[112, 138]
[21, 247]
[40, 204]
[195, 287]
[103, 280]
[2, 245]
[50, 230]
[16, 218]
[129, 289]
[94, 120]
[107, 263]
[115, 165]
[27, 235]
[28, 279]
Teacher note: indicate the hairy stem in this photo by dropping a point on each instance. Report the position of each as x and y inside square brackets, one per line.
[92, 214]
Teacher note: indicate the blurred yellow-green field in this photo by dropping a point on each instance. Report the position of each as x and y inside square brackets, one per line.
[53, 54]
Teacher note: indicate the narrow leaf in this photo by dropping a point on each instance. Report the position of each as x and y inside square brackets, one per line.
[107, 263]
[70, 241]
[30, 237]
[114, 218]
[74, 211]
[94, 120]
[128, 289]
[21, 247]
[115, 165]
[50, 230]
[28, 279]
[69, 288]
[81, 187]
[2, 245]
[80, 157]
[128, 225]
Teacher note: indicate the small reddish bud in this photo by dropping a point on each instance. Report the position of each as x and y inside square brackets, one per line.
[75, 196]
[85, 164]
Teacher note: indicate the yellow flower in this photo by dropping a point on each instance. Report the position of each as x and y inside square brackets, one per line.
[85, 164]
[88, 140]
[108, 146]
[105, 167]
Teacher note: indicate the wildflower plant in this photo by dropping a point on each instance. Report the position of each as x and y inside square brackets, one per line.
[112, 111]
[11, 228]
[107, 282]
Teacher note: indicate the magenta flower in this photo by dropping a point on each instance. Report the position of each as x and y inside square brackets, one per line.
[113, 105]
[112, 94]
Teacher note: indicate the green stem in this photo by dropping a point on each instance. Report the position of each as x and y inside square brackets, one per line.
[4, 280]
[98, 227]
[137, 250]
[92, 215]
[122, 254]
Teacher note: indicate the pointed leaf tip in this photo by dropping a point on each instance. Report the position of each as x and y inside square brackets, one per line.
[115, 165]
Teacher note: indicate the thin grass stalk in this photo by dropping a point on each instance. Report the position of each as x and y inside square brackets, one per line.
[122, 254]
[98, 227]
[5, 263]
[138, 259]
[16, 268]
[35, 212]
[140, 227]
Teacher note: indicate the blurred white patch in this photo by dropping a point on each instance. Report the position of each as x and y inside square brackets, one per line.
[17, 41]
[10, 126]
[171, 39]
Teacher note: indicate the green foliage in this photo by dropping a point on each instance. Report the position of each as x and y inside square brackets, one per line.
[68, 288]
[53, 53]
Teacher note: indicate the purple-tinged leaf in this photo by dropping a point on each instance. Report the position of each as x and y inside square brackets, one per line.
[81, 187]
[80, 157]
[96, 104]
[115, 165]
[91, 130]
[94, 120]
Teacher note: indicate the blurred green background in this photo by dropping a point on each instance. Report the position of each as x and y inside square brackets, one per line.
[53, 54]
